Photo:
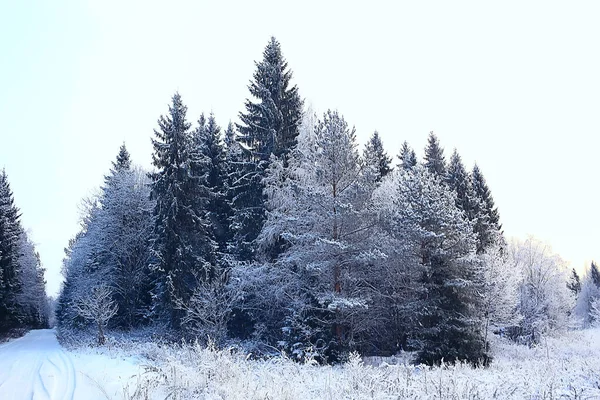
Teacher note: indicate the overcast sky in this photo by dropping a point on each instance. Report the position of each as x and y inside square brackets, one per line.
[514, 86]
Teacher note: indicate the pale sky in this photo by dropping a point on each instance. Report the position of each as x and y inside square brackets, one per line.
[513, 85]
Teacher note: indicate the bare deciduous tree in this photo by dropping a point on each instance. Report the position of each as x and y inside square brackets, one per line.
[99, 307]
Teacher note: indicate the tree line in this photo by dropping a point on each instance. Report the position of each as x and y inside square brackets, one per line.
[279, 234]
[23, 302]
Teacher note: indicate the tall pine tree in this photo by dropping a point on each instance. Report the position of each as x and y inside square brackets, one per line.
[269, 126]
[10, 231]
[376, 158]
[458, 180]
[434, 157]
[487, 220]
[183, 244]
[208, 143]
[407, 157]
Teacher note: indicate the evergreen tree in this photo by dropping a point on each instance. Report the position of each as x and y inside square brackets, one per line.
[434, 157]
[270, 125]
[376, 158]
[183, 243]
[123, 161]
[449, 325]
[208, 143]
[407, 157]
[31, 298]
[487, 220]
[595, 274]
[574, 283]
[10, 231]
[229, 136]
[458, 180]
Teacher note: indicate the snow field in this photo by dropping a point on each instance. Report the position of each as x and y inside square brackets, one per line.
[561, 368]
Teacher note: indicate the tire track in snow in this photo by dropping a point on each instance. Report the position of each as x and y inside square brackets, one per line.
[35, 367]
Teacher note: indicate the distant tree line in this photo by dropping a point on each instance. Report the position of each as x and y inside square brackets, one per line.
[23, 302]
[279, 234]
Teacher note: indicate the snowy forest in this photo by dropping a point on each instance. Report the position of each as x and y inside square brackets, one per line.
[278, 233]
[23, 302]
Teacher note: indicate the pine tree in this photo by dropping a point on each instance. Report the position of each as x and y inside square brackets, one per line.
[458, 180]
[123, 161]
[487, 220]
[229, 136]
[317, 204]
[123, 251]
[376, 158]
[208, 143]
[595, 274]
[434, 157]
[449, 326]
[10, 231]
[270, 125]
[183, 243]
[407, 157]
[574, 283]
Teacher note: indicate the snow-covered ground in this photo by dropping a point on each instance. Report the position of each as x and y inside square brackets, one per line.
[36, 367]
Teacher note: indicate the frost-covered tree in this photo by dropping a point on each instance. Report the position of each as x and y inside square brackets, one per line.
[268, 126]
[270, 123]
[210, 308]
[317, 205]
[588, 294]
[124, 245]
[500, 291]
[442, 240]
[98, 307]
[80, 270]
[207, 141]
[375, 157]
[183, 244]
[33, 305]
[229, 136]
[544, 300]
[484, 212]
[407, 157]
[595, 274]
[574, 282]
[435, 161]
[457, 179]
[10, 233]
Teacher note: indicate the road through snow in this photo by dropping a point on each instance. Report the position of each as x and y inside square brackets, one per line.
[36, 367]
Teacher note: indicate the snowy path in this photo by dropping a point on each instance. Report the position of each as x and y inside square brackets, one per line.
[36, 367]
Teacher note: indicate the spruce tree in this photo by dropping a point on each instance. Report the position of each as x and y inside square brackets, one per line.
[270, 125]
[229, 135]
[595, 274]
[457, 179]
[183, 243]
[407, 157]
[487, 220]
[375, 157]
[434, 157]
[123, 161]
[574, 282]
[449, 325]
[208, 143]
[10, 231]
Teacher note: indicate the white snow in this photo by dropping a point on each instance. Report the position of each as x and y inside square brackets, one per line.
[37, 367]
